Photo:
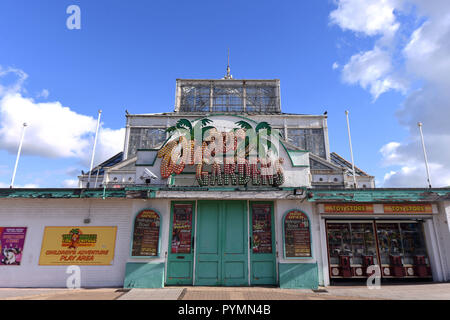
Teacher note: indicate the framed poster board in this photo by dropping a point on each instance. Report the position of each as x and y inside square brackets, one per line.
[146, 234]
[78, 245]
[262, 228]
[297, 235]
[182, 228]
[12, 240]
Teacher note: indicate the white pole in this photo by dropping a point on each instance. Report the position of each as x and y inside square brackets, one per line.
[95, 144]
[18, 156]
[351, 150]
[419, 124]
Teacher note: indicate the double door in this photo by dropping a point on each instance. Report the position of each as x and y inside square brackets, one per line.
[222, 244]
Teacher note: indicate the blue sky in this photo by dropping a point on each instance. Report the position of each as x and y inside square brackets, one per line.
[127, 55]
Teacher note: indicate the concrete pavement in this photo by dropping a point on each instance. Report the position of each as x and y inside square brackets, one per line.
[428, 291]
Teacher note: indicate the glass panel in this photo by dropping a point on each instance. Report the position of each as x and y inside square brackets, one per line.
[389, 241]
[262, 228]
[363, 242]
[413, 242]
[146, 234]
[261, 99]
[338, 241]
[228, 99]
[145, 138]
[195, 99]
[181, 228]
[308, 139]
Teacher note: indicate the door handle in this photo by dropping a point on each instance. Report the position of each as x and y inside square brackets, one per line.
[250, 242]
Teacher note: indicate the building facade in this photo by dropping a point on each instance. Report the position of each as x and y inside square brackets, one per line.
[226, 190]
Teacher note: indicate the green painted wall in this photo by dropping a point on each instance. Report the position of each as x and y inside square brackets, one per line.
[144, 275]
[298, 275]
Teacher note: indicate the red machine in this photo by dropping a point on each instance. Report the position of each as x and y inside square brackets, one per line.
[367, 261]
[396, 266]
[344, 264]
[420, 266]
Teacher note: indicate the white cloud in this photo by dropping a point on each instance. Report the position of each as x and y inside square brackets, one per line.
[28, 185]
[372, 70]
[70, 183]
[369, 17]
[54, 130]
[43, 94]
[12, 80]
[335, 66]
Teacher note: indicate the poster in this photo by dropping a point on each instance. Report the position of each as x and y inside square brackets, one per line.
[12, 240]
[78, 246]
[262, 228]
[146, 234]
[297, 236]
[182, 228]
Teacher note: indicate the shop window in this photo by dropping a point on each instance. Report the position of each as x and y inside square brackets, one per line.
[146, 234]
[351, 248]
[297, 235]
[403, 240]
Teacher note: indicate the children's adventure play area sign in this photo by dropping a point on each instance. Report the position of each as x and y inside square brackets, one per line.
[78, 246]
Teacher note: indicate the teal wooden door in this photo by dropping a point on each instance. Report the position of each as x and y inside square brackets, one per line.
[180, 259]
[222, 254]
[263, 268]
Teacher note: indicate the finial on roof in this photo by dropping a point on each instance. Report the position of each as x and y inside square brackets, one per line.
[228, 76]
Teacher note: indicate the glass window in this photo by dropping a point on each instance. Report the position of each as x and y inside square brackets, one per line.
[389, 241]
[338, 241]
[195, 99]
[261, 99]
[308, 139]
[145, 138]
[227, 99]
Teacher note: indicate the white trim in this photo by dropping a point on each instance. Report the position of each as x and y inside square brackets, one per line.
[195, 244]
[324, 251]
[248, 242]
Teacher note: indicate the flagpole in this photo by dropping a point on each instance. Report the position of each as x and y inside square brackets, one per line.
[419, 124]
[93, 149]
[18, 156]
[351, 150]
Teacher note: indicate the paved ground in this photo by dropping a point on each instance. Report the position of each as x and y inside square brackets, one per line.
[405, 291]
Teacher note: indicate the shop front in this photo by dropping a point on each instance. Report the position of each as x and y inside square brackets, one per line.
[388, 238]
